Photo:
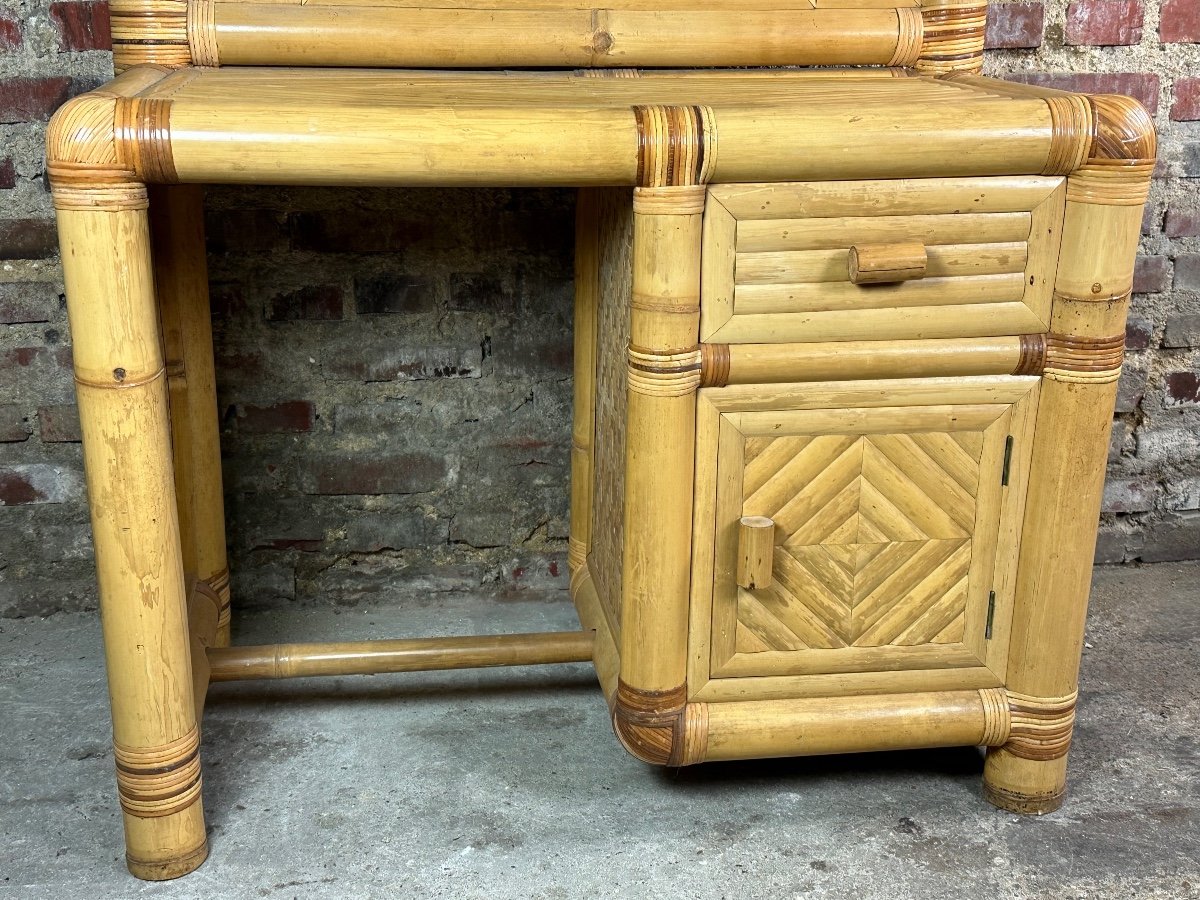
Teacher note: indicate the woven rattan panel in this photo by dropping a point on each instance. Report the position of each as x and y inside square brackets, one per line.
[616, 281]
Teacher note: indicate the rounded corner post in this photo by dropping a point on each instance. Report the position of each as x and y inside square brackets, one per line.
[952, 37]
[1083, 354]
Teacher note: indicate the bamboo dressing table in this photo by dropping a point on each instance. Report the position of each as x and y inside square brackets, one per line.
[846, 352]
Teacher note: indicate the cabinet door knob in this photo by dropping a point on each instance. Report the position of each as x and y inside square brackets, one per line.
[884, 263]
[756, 548]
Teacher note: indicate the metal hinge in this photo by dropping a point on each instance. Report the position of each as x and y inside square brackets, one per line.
[1008, 445]
[987, 631]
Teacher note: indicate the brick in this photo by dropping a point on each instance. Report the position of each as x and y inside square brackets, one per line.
[290, 416]
[386, 362]
[39, 483]
[27, 99]
[1187, 272]
[1130, 389]
[1142, 86]
[1116, 440]
[1179, 22]
[1152, 219]
[1129, 495]
[14, 425]
[1139, 332]
[1182, 222]
[1181, 389]
[27, 238]
[1186, 107]
[318, 302]
[1151, 275]
[244, 230]
[1111, 543]
[472, 292]
[1174, 538]
[374, 473]
[1015, 25]
[1189, 160]
[1104, 22]
[1183, 495]
[1168, 447]
[353, 231]
[22, 302]
[1182, 331]
[81, 24]
[59, 424]
[8, 174]
[382, 294]
[402, 529]
[10, 33]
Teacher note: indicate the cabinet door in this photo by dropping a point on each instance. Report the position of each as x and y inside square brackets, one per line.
[897, 509]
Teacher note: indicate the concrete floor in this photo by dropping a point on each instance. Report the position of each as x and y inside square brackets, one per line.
[510, 784]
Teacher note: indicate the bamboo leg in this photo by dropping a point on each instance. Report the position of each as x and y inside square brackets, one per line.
[587, 299]
[1083, 356]
[181, 276]
[122, 394]
[663, 376]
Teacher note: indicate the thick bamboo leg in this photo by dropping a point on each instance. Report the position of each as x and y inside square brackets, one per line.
[181, 276]
[663, 376]
[1083, 358]
[121, 384]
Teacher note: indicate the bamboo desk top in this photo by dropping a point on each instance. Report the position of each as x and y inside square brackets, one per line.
[406, 127]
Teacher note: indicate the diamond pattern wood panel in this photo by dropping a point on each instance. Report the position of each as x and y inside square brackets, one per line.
[873, 538]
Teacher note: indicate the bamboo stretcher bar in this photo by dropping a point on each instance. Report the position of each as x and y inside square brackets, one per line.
[409, 655]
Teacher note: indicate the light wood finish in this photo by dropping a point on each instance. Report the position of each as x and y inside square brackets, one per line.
[122, 394]
[795, 248]
[723, 364]
[291, 125]
[587, 303]
[885, 263]
[181, 283]
[1095, 276]
[412, 655]
[756, 547]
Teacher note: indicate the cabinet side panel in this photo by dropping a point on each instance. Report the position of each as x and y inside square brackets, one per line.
[615, 240]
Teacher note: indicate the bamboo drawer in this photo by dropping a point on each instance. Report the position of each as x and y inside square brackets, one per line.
[932, 258]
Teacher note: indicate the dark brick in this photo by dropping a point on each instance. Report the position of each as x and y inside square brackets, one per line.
[395, 530]
[26, 99]
[363, 473]
[1189, 160]
[1182, 223]
[1130, 389]
[1174, 538]
[353, 231]
[10, 33]
[1015, 25]
[379, 294]
[1186, 107]
[1187, 272]
[244, 230]
[1151, 275]
[385, 362]
[1151, 219]
[1129, 495]
[474, 291]
[81, 24]
[1142, 86]
[227, 299]
[1181, 389]
[1179, 22]
[27, 302]
[1110, 545]
[1182, 331]
[277, 418]
[39, 483]
[321, 302]
[1116, 440]
[14, 425]
[27, 238]
[59, 424]
[8, 174]
[1138, 333]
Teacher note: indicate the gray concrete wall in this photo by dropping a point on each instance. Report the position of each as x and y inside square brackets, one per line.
[395, 366]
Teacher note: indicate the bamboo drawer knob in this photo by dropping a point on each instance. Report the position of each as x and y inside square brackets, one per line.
[756, 547]
[884, 263]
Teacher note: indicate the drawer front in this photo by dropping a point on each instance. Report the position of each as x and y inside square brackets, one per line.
[893, 511]
[777, 259]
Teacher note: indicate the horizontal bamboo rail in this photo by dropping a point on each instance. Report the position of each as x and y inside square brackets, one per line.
[410, 655]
